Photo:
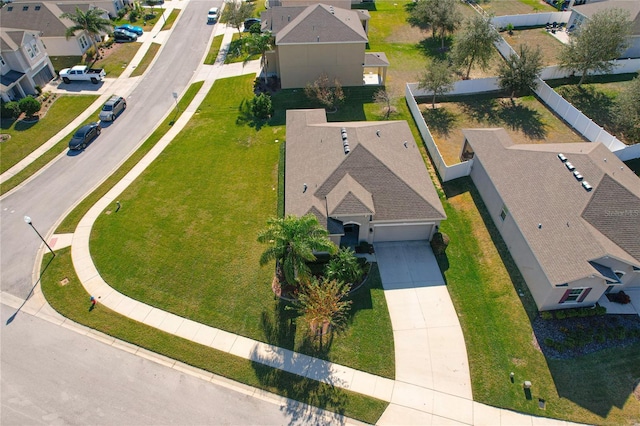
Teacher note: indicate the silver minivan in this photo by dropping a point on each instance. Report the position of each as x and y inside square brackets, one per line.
[114, 106]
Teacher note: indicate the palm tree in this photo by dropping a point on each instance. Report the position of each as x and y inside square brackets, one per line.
[260, 44]
[90, 21]
[292, 243]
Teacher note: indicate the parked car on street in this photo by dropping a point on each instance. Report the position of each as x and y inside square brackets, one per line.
[212, 16]
[250, 22]
[112, 108]
[84, 136]
[121, 35]
[131, 28]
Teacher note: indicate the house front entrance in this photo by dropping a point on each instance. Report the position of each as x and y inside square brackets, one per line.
[351, 235]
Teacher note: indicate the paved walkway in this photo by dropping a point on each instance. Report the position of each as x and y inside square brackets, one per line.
[432, 383]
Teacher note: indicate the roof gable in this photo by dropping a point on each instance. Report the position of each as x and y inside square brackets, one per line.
[320, 23]
[348, 197]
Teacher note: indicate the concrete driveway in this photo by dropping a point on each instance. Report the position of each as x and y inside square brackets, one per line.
[432, 370]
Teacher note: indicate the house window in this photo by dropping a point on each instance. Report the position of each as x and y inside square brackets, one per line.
[83, 42]
[25, 8]
[9, 8]
[503, 213]
[37, 8]
[34, 45]
[575, 295]
[30, 51]
[619, 274]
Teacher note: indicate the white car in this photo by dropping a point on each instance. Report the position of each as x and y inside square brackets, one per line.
[212, 16]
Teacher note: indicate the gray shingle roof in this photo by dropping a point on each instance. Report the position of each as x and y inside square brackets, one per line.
[537, 188]
[46, 20]
[313, 24]
[379, 164]
[632, 6]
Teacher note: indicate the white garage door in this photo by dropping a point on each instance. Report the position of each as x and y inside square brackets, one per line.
[401, 232]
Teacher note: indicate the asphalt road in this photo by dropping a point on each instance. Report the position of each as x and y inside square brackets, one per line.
[97, 384]
[49, 195]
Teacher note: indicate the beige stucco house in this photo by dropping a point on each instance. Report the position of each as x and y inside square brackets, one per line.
[365, 181]
[321, 39]
[569, 214]
[24, 64]
[44, 18]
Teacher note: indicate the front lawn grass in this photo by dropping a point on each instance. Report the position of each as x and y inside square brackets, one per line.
[526, 120]
[485, 286]
[72, 301]
[118, 59]
[26, 137]
[168, 24]
[146, 60]
[191, 222]
[516, 7]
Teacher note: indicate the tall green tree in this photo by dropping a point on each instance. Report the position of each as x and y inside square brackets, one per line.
[475, 45]
[438, 79]
[442, 16]
[627, 112]
[593, 44]
[235, 13]
[292, 242]
[90, 21]
[519, 72]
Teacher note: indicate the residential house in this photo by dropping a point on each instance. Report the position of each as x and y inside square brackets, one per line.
[583, 10]
[364, 181]
[321, 39]
[568, 213]
[110, 6]
[44, 18]
[344, 4]
[24, 64]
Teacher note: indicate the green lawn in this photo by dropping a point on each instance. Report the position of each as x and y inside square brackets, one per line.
[146, 60]
[191, 223]
[72, 301]
[484, 284]
[26, 137]
[171, 19]
[214, 49]
[118, 59]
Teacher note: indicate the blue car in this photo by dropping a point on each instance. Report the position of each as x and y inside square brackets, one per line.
[84, 136]
[131, 28]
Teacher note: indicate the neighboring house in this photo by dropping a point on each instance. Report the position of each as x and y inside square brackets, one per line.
[110, 6]
[44, 18]
[24, 64]
[363, 180]
[569, 214]
[582, 12]
[317, 39]
[344, 4]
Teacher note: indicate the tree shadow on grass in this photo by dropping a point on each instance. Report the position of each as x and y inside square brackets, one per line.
[482, 110]
[593, 103]
[439, 120]
[246, 117]
[432, 47]
[522, 118]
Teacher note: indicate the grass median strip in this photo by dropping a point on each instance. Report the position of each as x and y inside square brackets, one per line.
[146, 60]
[214, 49]
[72, 301]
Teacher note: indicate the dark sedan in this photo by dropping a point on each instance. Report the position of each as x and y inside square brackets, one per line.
[120, 35]
[84, 136]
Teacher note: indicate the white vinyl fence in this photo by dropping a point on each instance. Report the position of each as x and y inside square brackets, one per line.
[446, 173]
[531, 19]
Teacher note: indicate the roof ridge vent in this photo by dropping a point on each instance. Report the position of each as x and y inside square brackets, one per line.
[577, 175]
[562, 157]
[570, 166]
[345, 141]
[586, 185]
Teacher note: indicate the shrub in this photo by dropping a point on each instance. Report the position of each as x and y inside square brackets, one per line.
[10, 110]
[38, 90]
[261, 106]
[344, 267]
[571, 313]
[439, 243]
[90, 53]
[561, 314]
[601, 310]
[546, 315]
[29, 105]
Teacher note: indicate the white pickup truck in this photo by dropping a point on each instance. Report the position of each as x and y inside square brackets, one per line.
[82, 73]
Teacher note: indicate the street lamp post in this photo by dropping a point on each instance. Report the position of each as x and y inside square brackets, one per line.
[27, 219]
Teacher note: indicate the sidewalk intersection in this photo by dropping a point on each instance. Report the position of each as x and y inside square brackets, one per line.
[415, 397]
